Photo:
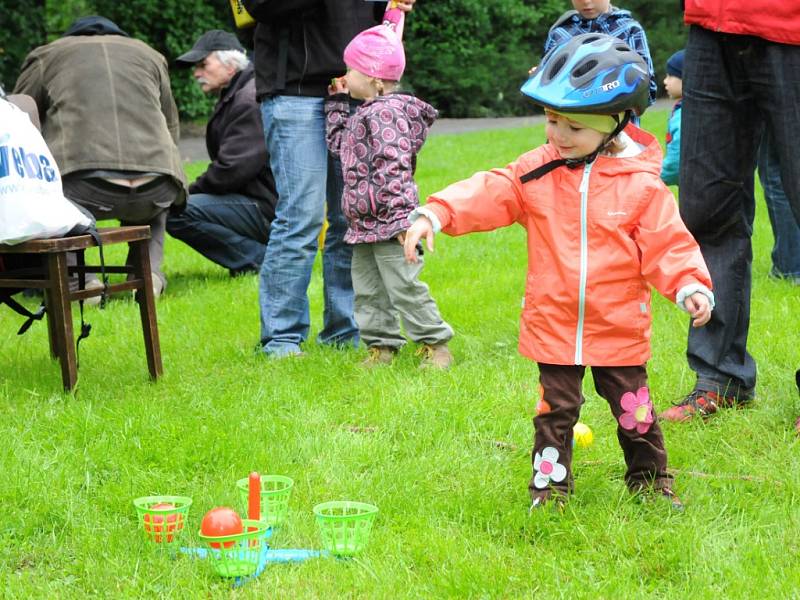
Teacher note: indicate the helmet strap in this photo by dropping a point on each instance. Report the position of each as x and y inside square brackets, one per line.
[573, 163]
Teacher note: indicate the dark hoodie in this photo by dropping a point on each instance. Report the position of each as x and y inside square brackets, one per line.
[378, 147]
[299, 43]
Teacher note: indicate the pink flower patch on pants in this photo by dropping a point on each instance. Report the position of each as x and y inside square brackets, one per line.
[638, 409]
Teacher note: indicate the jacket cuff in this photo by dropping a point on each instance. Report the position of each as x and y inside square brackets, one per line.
[421, 211]
[342, 97]
[690, 289]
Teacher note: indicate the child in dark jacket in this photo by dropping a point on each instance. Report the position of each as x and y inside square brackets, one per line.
[378, 145]
[673, 83]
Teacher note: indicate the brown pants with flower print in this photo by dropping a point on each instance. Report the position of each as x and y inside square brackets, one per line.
[625, 390]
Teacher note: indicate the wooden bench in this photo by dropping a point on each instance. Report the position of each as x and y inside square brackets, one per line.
[52, 277]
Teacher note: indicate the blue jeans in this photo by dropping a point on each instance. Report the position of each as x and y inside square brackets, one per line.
[786, 232]
[734, 85]
[307, 178]
[228, 229]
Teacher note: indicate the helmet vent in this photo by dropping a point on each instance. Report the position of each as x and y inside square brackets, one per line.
[584, 68]
[557, 66]
[589, 39]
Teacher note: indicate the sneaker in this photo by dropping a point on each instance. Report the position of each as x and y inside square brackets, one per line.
[667, 495]
[435, 356]
[701, 403]
[93, 284]
[663, 495]
[158, 285]
[379, 355]
[777, 275]
[548, 500]
[242, 271]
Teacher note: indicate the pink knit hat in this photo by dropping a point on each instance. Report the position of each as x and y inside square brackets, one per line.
[377, 52]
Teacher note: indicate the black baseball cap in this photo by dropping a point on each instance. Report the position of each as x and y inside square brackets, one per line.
[216, 39]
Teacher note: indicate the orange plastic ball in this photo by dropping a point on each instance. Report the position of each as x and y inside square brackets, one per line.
[154, 524]
[221, 521]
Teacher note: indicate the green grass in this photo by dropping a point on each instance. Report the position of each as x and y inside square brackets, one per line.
[444, 455]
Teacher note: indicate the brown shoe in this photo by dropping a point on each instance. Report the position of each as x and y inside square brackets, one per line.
[379, 355]
[547, 500]
[702, 404]
[436, 356]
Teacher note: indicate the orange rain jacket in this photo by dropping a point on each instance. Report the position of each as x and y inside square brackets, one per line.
[598, 237]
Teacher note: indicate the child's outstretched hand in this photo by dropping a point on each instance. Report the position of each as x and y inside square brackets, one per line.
[699, 308]
[420, 228]
[338, 86]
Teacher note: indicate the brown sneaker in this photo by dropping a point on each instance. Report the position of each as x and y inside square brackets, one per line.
[436, 356]
[547, 500]
[703, 404]
[378, 355]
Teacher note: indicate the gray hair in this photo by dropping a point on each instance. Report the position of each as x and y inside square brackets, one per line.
[233, 58]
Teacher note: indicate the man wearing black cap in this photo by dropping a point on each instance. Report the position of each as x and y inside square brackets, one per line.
[232, 204]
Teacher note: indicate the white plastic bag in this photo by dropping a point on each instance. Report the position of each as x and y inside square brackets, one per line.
[32, 203]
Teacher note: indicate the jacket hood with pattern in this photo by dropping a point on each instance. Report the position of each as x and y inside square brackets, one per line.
[378, 147]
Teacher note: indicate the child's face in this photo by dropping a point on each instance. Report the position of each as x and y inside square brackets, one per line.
[362, 87]
[674, 86]
[570, 138]
[591, 9]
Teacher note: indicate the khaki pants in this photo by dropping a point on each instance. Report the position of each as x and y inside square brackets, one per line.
[388, 290]
[559, 408]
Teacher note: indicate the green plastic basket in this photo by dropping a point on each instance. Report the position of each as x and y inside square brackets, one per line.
[345, 526]
[275, 493]
[237, 555]
[162, 525]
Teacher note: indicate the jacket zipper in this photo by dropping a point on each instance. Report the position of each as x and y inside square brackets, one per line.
[584, 190]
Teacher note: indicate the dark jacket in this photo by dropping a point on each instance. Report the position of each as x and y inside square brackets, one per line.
[106, 104]
[378, 147]
[299, 43]
[235, 143]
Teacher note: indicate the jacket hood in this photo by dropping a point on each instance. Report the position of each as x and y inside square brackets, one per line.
[94, 25]
[613, 14]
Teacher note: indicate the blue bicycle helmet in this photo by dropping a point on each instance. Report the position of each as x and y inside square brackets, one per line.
[591, 73]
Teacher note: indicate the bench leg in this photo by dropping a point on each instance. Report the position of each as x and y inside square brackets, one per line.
[51, 329]
[147, 307]
[60, 318]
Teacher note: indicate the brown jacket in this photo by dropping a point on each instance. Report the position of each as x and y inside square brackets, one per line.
[105, 103]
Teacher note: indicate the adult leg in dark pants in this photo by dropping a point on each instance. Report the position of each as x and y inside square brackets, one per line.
[733, 86]
[721, 126]
[228, 229]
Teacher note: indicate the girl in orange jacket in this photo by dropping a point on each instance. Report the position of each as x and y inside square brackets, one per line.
[602, 228]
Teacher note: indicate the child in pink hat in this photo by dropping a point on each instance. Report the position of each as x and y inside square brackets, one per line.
[378, 145]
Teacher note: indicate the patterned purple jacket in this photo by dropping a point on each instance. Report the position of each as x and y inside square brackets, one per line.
[378, 147]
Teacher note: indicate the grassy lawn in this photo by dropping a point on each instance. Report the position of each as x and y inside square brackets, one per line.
[445, 456]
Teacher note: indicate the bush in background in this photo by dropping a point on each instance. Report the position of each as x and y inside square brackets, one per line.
[467, 57]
